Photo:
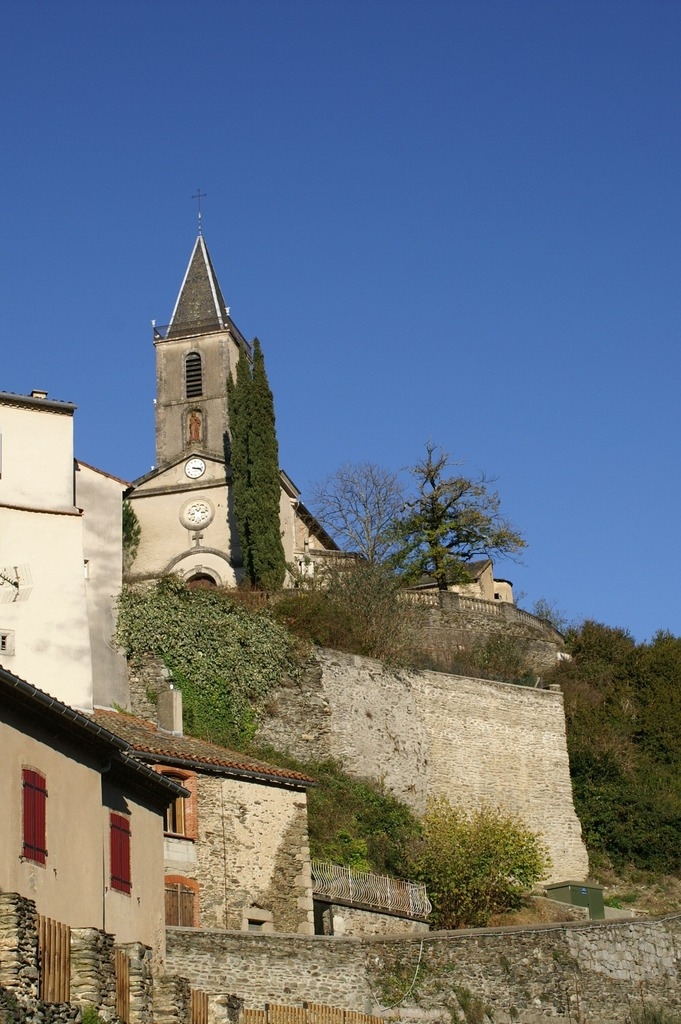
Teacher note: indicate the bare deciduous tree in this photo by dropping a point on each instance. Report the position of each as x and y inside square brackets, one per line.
[359, 505]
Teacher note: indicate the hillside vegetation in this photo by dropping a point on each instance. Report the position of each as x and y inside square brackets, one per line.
[623, 708]
[622, 700]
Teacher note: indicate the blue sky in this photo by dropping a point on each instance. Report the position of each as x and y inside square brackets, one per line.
[456, 221]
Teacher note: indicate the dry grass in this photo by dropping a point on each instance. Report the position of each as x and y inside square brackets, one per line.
[538, 911]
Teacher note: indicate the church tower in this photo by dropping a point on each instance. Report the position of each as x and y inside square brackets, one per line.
[194, 356]
[184, 506]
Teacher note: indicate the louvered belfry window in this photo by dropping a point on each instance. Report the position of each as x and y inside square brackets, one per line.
[34, 807]
[121, 878]
[193, 376]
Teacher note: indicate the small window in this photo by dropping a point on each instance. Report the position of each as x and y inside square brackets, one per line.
[119, 830]
[175, 818]
[193, 376]
[34, 808]
[6, 641]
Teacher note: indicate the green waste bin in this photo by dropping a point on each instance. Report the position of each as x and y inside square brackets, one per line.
[579, 894]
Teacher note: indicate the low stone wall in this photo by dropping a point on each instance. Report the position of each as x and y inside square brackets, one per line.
[428, 733]
[454, 619]
[19, 950]
[571, 971]
[92, 975]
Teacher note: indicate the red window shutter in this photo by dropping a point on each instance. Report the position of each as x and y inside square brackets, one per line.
[34, 824]
[121, 878]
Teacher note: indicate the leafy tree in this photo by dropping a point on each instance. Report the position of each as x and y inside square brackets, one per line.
[547, 610]
[359, 505]
[451, 521]
[254, 456]
[475, 863]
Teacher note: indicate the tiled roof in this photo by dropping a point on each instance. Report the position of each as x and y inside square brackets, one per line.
[145, 738]
[60, 719]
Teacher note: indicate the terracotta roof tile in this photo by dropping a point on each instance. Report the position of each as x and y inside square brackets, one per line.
[145, 738]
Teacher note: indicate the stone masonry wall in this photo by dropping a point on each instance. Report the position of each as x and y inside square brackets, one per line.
[339, 919]
[427, 733]
[253, 851]
[454, 619]
[93, 975]
[160, 999]
[19, 949]
[146, 677]
[586, 972]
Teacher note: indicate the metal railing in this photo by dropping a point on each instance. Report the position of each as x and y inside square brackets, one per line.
[363, 887]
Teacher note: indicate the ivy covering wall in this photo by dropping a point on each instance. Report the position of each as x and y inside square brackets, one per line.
[225, 658]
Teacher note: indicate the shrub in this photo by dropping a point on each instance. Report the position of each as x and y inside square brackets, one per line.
[623, 712]
[475, 863]
[357, 608]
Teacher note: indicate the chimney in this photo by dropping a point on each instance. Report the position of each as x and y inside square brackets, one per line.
[38, 394]
[169, 710]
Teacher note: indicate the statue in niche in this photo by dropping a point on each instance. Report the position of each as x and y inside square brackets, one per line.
[194, 426]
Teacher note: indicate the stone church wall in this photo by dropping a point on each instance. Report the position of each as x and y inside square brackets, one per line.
[427, 732]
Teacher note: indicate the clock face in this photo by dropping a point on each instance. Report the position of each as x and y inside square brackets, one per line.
[195, 468]
[196, 514]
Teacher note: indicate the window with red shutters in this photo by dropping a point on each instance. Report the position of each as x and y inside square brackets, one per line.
[34, 807]
[120, 853]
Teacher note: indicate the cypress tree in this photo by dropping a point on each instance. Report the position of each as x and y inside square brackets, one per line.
[256, 488]
[269, 563]
[239, 400]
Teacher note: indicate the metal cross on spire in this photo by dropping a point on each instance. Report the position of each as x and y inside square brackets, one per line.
[199, 196]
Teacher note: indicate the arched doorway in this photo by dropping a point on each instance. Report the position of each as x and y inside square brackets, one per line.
[201, 579]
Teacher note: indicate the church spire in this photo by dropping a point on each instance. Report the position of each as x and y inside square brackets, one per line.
[200, 306]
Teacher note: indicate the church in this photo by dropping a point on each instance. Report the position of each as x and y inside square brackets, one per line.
[184, 505]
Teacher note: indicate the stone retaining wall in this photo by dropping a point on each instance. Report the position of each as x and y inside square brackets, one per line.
[93, 975]
[576, 971]
[453, 620]
[426, 733]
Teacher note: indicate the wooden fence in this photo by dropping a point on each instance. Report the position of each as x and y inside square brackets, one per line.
[199, 1007]
[308, 1013]
[122, 985]
[54, 945]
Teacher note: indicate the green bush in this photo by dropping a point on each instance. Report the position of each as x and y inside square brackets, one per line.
[132, 531]
[91, 1016]
[475, 863]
